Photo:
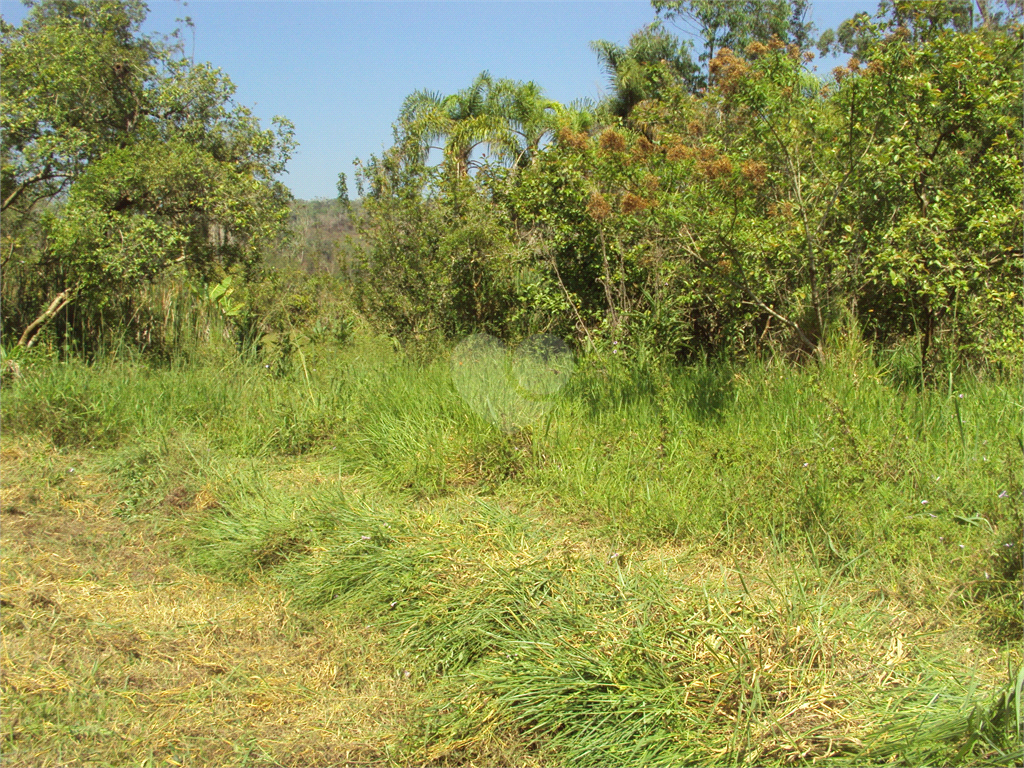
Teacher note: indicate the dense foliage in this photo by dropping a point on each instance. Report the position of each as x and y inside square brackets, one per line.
[723, 197]
[122, 161]
[768, 207]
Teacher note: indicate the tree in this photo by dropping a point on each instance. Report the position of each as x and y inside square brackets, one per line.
[735, 24]
[653, 59]
[918, 21]
[126, 157]
[528, 119]
[893, 193]
[512, 118]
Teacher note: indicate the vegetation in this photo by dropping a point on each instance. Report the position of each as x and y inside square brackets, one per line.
[818, 564]
[773, 517]
[765, 210]
[122, 161]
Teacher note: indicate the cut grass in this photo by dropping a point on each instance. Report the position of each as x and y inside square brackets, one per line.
[113, 654]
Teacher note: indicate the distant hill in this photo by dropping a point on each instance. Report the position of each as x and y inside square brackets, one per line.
[321, 235]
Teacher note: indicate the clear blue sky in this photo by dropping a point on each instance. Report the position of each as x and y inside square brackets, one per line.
[340, 69]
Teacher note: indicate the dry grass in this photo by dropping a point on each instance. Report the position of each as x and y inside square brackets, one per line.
[115, 654]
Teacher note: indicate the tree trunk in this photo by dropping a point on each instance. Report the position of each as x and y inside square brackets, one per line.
[31, 333]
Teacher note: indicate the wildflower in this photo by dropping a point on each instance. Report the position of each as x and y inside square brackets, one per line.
[679, 151]
[931, 515]
[643, 147]
[366, 538]
[961, 546]
[1002, 494]
[576, 140]
[805, 463]
[924, 501]
[713, 169]
[961, 396]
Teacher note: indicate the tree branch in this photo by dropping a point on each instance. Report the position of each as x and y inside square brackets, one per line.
[60, 301]
[43, 175]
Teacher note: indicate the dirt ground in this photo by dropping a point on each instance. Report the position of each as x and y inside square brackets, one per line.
[114, 653]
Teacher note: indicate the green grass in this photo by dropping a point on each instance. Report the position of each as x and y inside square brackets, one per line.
[715, 564]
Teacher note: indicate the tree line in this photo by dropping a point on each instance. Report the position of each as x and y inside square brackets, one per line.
[724, 202]
[721, 199]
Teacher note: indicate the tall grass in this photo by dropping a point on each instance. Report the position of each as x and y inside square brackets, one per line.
[716, 564]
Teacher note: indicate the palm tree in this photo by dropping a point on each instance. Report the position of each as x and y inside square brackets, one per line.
[528, 116]
[512, 118]
[637, 71]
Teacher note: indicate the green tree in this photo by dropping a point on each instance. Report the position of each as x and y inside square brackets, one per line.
[129, 159]
[735, 24]
[935, 208]
[918, 21]
[892, 193]
[653, 59]
[511, 118]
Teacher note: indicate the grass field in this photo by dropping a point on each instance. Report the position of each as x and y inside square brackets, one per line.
[333, 560]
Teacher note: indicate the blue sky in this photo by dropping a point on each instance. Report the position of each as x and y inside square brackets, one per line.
[340, 69]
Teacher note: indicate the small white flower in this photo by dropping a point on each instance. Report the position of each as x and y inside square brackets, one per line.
[924, 501]
[961, 546]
